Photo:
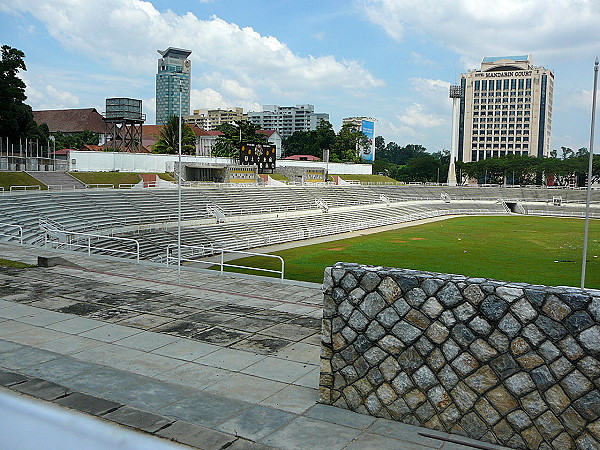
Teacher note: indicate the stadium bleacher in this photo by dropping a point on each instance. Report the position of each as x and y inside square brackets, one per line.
[256, 216]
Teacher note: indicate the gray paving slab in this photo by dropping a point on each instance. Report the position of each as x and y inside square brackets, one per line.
[75, 325]
[278, 369]
[204, 409]
[303, 433]
[70, 344]
[230, 359]
[247, 388]
[196, 436]
[110, 333]
[296, 399]
[256, 423]
[194, 375]
[147, 364]
[186, 349]
[44, 318]
[139, 419]
[43, 389]
[25, 357]
[12, 326]
[104, 379]
[88, 403]
[310, 380]
[8, 378]
[403, 432]
[367, 441]
[60, 369]
[147, 341]
[9, 346]
[34, 336]
[340, 416]
[150, 394]
[15, 311]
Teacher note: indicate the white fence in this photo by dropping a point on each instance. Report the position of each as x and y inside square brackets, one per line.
[191, 253]
[146, 162]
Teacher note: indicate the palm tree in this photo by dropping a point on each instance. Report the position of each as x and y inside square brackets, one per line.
[168, 142]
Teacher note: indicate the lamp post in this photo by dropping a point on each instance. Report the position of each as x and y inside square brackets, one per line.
[179, 195]
[455, 95]
[588, 196]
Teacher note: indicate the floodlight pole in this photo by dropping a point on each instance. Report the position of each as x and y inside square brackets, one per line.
[455, 95]
[179, 195]
[588, 196]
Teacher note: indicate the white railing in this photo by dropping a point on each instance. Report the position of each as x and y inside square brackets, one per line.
[69, 240]
[35, 187]
[7, 234]
[2, 189]
[126, 185]
[100, 186]
[189, 257]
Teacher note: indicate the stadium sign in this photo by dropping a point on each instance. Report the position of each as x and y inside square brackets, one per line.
[261, 155]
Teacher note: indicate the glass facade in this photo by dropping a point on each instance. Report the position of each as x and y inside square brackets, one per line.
[174, 70]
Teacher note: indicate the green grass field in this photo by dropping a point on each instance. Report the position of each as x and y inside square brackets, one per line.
[8, 179]
[529, 249]
[368, 178]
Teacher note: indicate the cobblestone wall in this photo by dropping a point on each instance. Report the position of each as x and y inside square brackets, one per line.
[508, 363]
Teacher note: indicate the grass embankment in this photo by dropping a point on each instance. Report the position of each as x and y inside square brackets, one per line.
[368, 178]
[8, 179]
[279, 177]
[115, 178]
[14, 264]
[526, 249]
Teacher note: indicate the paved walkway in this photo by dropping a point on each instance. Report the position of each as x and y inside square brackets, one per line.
[213, 362]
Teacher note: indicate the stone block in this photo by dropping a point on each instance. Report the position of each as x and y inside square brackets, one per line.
[449, 295]
[502, 400]
[556, 309]
[493, 308]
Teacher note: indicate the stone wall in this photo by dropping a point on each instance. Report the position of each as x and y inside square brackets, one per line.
[508, 363]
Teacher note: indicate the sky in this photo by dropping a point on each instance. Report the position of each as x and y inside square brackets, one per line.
[392, 60]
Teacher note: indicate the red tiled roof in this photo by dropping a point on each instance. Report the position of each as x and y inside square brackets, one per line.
[70, 120]
[267, 133]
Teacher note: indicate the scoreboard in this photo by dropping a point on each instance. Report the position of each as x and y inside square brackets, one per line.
[260, 155]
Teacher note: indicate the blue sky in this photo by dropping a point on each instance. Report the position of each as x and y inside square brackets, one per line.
[389, 59]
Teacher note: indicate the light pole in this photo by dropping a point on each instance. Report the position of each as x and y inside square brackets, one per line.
[179, 195]
[455, 95]
[588, 196]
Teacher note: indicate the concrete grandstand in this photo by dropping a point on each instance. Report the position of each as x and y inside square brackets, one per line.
[106, 221]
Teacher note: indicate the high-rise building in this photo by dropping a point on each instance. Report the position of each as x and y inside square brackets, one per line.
[287, 119]
[174, 70]
[210, 119]
[505, 109]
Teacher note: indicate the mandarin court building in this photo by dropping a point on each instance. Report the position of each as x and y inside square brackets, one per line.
[505, 109]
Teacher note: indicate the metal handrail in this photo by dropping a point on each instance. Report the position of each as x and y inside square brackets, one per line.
[222, 263]
[100, 186]
[48, 232]
[34, 187]
[14, 226]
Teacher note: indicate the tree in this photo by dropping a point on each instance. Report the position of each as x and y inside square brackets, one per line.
[311, 142]
[74, 140]
[379, 145]
[348, 144]
[168, 142]
[16, 117]
[234, 134]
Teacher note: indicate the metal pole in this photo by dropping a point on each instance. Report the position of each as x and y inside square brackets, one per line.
[179, 196]
[588, 196]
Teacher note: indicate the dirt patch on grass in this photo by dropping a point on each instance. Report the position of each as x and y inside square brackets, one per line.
[398, 241]
[418, 239]
[335, 249]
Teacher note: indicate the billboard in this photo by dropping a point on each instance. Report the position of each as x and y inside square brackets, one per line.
[368, 129]
[260, 155]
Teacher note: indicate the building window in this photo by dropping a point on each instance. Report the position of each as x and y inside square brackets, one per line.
[477, 84]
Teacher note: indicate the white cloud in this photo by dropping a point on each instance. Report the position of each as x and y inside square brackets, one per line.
[416, 116]
[49, 97]
[127, 33]
[476, 28]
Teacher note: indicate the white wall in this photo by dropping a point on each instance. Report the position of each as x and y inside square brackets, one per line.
[147, 162]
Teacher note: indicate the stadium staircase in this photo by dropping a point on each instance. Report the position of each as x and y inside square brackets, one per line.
[57, 180]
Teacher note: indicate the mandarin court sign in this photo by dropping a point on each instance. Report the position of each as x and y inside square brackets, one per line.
[515, 73]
